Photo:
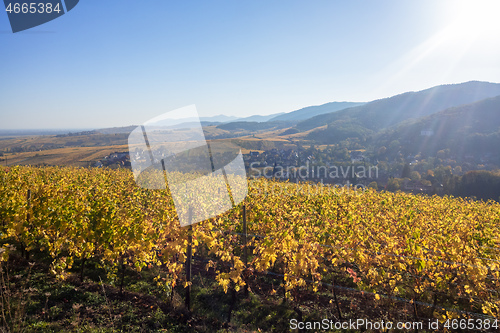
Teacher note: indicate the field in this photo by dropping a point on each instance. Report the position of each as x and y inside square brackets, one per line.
[78, 150]
[77, 239]
[86, 149]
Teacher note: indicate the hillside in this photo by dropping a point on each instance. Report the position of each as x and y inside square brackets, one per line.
[387, 112]
[472, 129]
[259, 118]
[312, 111]
[254, 126]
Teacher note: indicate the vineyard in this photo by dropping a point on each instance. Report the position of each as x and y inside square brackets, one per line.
[440, 251]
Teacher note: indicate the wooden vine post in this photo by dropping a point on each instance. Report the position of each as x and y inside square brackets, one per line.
[189, 255]
[336, 301]
[245, 248]
[28, 217]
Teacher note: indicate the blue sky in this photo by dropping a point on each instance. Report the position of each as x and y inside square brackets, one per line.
[121, 62]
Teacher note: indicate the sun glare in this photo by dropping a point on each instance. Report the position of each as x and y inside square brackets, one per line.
[469, 38]
[475, 20]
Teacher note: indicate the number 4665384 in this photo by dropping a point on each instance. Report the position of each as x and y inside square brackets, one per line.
[32, 8]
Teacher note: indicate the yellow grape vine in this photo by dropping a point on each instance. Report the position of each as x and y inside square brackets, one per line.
[418, 247]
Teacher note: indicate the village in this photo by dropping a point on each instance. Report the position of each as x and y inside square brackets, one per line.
[346, 168]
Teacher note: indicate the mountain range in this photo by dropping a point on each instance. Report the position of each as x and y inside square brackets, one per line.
[293, 116]
[372, 117]
[385, 112]
[457, 122]
[464, 117]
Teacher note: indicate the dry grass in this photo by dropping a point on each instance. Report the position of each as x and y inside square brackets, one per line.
[74, 156]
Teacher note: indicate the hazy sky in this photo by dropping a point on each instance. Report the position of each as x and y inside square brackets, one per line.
[121, 62]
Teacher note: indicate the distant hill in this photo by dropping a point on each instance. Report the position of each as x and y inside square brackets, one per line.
[472, 129]
[387, 112]
[218, 119]
[117, 130]
[260, 119]
[254, 126]
[36, 132]
[365, 121]
[311, 111]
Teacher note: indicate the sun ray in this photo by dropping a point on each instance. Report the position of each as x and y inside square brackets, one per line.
[472, 27]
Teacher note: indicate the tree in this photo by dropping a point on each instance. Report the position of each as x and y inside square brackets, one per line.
[381, 151]
[383, 166]
[394, 146]
[479, 183]
[392, 185]
[426, 182]
[406, 171]
[415, 175]
[442, 173]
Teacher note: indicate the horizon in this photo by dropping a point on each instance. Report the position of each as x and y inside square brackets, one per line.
[80, 129]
